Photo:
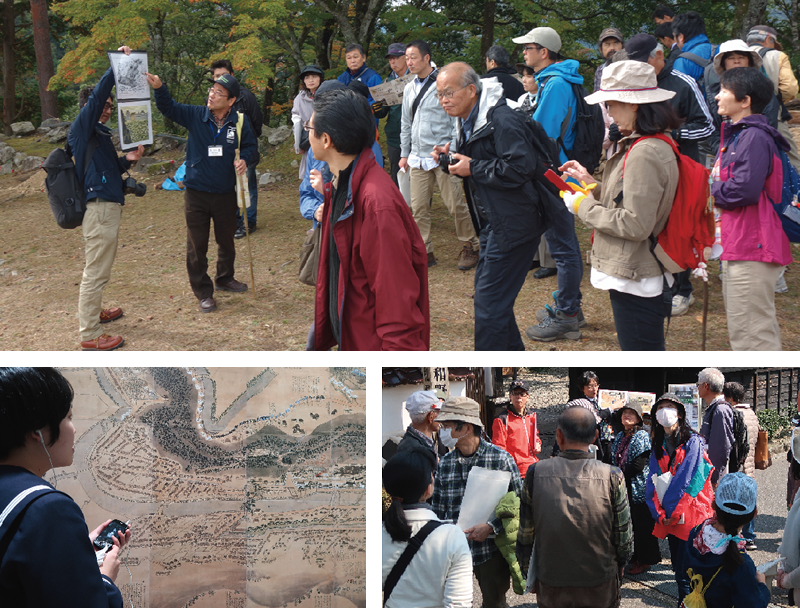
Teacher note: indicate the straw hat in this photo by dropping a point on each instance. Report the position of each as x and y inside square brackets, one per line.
[629, 82]
[735, 46]
[461, 409]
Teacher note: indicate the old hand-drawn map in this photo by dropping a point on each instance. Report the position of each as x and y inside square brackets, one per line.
[244, 486]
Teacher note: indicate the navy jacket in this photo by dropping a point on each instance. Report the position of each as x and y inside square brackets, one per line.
[48, 561]
[203, 172]
[104, 173]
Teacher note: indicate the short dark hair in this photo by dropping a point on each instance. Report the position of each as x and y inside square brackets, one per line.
[748, 82]
[406, 476]
[654, 118]
[355, 47]
[527, 70]
[347, 118]
[661, 12]
[664, 30]
[733, 391]
[86, 93]
[689, 24]
[577, 424]
[422, 46]
[587, 377]
[498, 54]
[31, 398]
[222, 63]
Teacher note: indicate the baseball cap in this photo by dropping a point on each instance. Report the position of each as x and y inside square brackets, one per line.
[543, 36]
[330, 85]
[640, 46]
[766, 30]
[461, 409]
[422, 402]
[515, 384]
[396, 49]
[610, 32]
[229, 83]
[736, 494]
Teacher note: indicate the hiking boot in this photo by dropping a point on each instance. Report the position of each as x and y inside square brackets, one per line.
[110, 314]
[550, 311]
[543, 273]
[240, 233]
[555, 328]
[681, 304]
[103, 342]
[208, 305]
[468, 258]
[232, 285]
[431, 259]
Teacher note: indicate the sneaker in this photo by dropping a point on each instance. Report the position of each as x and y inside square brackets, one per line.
[550, 311]
[555, 328]
[681, 304]
[468, 258]
[240, 233]
[103, 342]
[781, 286]
[431, 259]
[750, 545]
[543, 273]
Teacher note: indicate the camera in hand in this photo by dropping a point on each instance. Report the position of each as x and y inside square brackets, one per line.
[131, 186]
[445, 160]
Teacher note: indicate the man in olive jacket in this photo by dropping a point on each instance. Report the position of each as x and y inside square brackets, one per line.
[497, 161]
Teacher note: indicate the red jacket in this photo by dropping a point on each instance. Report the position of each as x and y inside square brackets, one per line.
[519, 436]
[383, 274]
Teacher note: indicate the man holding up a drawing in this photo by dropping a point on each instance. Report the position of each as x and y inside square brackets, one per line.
[211, 181]
[460, 420]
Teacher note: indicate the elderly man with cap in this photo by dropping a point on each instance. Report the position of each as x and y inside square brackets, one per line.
[515, 429]
[460, 419]
[610, 42]
[397, 61]
[423, 432]
[717, 427]
[556, 106]
[764, 40]
[211, 180]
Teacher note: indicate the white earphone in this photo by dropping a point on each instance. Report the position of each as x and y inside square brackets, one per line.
[55, 479]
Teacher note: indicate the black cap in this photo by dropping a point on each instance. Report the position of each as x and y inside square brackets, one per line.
[640, 46]
[229, 83]
[515, 384]
[359, 87]
[312, 69]
[396, 49]
[329, 85]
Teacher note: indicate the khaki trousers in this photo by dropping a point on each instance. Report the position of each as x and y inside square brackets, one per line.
[794, 158]
[100, 231]
[543, 255]
[422, 183]
[748, 290]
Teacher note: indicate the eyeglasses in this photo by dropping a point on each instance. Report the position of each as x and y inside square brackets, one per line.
[449, 94]
[307, 127]
[534, 47]
[108, 106]
[212, 92]
[519, 394]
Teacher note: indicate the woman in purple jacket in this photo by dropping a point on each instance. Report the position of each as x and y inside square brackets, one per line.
[748, 178]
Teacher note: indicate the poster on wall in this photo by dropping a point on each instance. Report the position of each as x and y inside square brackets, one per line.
[687, 393]
[614, 400]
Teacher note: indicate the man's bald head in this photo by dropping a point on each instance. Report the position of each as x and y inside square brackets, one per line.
[578, 425]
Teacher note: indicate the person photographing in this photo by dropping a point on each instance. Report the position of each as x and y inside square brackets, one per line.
[211, 180]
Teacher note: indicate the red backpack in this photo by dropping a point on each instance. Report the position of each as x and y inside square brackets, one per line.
[690, 225]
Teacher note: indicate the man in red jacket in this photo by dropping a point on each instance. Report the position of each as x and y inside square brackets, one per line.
[372, 283]
[515, 430]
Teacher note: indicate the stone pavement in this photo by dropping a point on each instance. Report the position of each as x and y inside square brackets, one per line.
[657, 586]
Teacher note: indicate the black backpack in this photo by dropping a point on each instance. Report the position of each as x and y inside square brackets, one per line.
[590, 130]
[64, 188]
[741, 442]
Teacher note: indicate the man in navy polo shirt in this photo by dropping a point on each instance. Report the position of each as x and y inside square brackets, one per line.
[211, 181]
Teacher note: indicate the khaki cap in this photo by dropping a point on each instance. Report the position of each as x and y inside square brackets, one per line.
[543, 36]
[460, 409]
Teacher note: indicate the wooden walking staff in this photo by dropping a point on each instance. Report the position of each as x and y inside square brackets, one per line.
[243, 201]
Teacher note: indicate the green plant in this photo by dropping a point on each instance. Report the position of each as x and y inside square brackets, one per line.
[774, 422]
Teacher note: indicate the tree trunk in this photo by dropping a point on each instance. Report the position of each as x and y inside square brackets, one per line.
[44, 58]
[9, 58]
[266, 110]
[793, 21]
[322, 47]
[487, 37]
[756, 11]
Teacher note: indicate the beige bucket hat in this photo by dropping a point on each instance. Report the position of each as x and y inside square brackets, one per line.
[629, 82]
[461, 409]
[735, 46]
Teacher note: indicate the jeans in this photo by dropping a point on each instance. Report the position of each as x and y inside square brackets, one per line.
[639, 321]
[683, 283]
[252, 210]
[749, 530]
[677, 547]
[566, 251]
[498, 278]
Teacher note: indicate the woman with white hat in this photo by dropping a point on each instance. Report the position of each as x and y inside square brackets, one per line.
[625, 213]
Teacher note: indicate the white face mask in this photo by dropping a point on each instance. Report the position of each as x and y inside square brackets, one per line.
[447, 439]
[667, 416]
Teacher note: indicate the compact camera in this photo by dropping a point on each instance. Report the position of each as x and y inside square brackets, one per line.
[131, 186]
[445, 160]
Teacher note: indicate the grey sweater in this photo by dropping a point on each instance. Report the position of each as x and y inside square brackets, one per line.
[431, 127]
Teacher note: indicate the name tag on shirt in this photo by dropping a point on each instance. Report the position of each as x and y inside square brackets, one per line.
[215, 150]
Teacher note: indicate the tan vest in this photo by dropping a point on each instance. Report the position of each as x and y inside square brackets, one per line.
[573, 519]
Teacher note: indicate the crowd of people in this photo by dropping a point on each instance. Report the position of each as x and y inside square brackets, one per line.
[486, 141]
[615, 483]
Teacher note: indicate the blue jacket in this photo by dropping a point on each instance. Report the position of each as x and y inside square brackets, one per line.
[700, 46]
[555, 101]
[49, 561]
[368, 76]
[104, 173]
[310, 199]
[203, 172]
[726, 590]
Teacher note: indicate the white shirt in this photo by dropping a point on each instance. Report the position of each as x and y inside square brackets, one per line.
[644, 288]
